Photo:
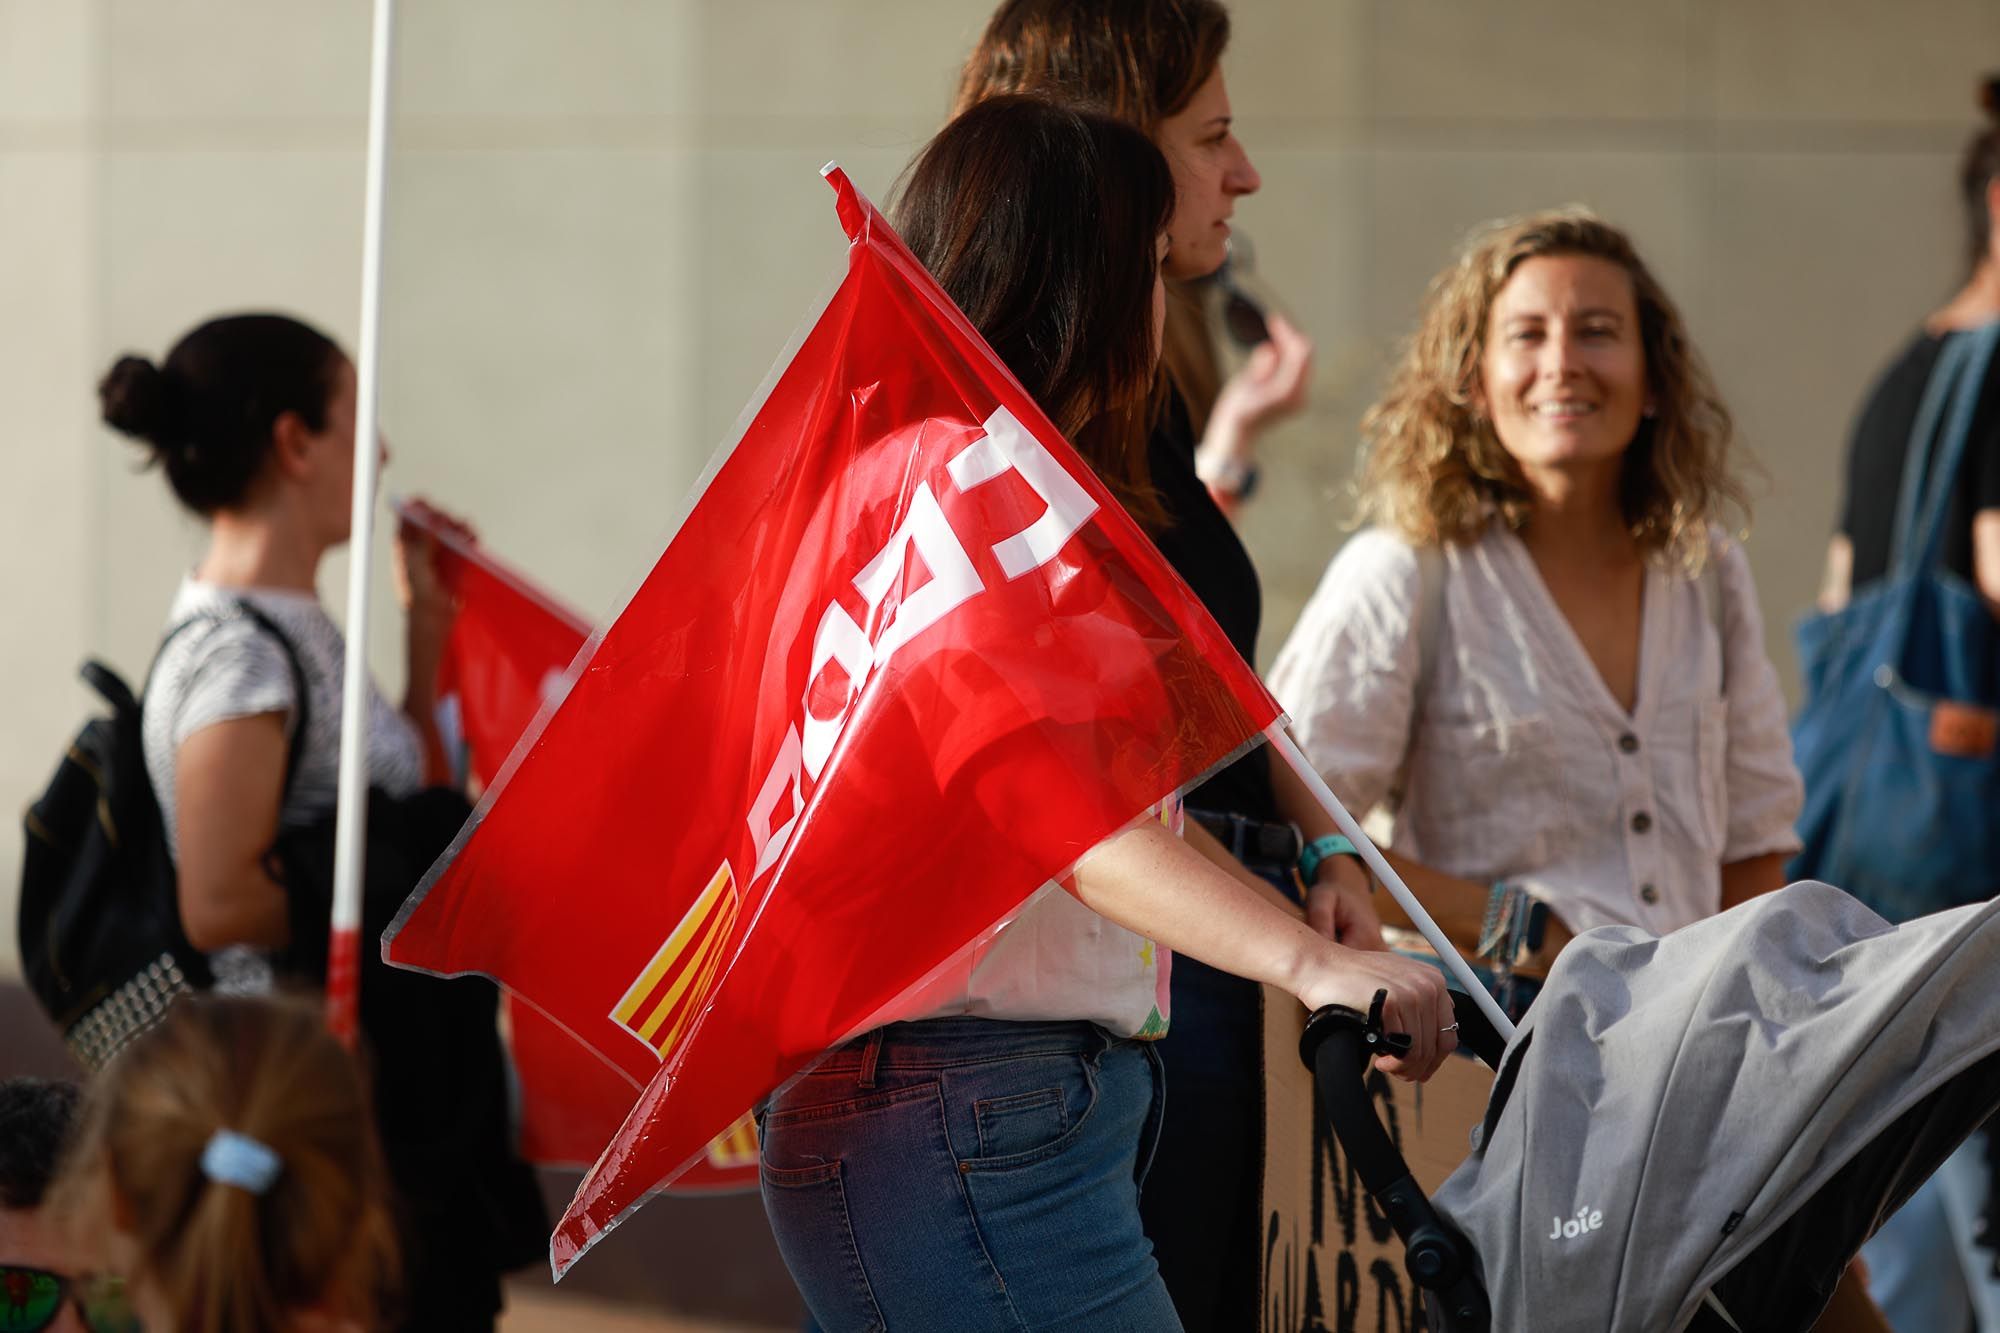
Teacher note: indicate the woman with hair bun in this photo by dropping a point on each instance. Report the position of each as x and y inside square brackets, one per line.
[1545, 654]
[1930, 1266]
[251, 417]
[227, 1165]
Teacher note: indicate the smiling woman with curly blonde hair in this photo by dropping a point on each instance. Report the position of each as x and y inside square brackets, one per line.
[1436, 472]
[1544, 655]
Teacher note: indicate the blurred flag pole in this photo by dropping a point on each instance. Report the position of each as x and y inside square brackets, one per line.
[343, 969]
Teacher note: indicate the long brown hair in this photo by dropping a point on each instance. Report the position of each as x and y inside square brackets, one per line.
[1433, 469]
[1042, 221]
[226, 1259]
[1138, 60]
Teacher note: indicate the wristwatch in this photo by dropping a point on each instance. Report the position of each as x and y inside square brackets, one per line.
[1229, 476]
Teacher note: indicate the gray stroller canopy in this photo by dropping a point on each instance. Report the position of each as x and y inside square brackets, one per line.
[1672, 1104]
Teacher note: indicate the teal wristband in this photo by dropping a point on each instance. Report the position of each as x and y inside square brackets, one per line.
[1318, 850]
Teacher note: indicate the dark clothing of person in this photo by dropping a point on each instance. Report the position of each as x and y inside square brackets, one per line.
[1876, 457]
[1202, 1200]
[469, 1209]
[1880, 446]
[1204, 550]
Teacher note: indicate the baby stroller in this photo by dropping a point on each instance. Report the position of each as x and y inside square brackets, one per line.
[1695, 1132]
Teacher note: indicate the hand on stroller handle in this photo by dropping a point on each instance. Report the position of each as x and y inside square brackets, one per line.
[1288, 750]
[1338, 1045]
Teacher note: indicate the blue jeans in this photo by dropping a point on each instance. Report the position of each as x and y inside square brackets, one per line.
[969, 1174]
[1924, 1268]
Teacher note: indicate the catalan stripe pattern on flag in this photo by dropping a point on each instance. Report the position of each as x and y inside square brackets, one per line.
[657, 1006]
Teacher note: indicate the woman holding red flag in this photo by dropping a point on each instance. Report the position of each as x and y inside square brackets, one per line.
[980, 1168]
[251, 417]
[1156, 65]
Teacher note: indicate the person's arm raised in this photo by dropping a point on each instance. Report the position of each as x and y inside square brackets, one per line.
[428, 610]
[1151, 882]
[1271, 386]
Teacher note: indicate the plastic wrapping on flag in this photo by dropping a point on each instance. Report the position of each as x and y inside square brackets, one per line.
[506, 656]
[505, 659]
[905, 661]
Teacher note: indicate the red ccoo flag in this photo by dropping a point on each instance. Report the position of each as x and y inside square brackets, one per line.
[508, 654]
[510, 647]
[905, 661]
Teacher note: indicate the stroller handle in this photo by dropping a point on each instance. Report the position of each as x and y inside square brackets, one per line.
[1338, 1046]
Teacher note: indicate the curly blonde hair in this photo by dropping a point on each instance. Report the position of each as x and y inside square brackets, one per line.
[1434, 471]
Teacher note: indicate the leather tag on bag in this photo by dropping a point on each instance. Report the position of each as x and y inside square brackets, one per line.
[1964, 731]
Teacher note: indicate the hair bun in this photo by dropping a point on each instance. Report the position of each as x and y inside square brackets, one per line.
[1989, 96]
[137, 400]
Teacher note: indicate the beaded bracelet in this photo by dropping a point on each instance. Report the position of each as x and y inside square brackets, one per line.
[1512, 927]
[1494, 925]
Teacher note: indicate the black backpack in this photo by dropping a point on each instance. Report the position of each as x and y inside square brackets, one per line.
[99, 926]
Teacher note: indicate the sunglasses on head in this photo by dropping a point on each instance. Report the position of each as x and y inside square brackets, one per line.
[31, 1298]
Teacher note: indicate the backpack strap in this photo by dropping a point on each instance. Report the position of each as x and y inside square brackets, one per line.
[1938, 441]
[301, 701]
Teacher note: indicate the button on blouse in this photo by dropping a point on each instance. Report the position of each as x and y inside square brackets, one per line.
[1518, 763]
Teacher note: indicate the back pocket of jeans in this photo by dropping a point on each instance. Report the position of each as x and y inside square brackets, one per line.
[807, 1209]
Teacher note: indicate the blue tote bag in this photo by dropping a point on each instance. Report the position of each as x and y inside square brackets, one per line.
[1898, 734]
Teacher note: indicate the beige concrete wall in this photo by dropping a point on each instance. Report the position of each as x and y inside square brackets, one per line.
[606, 219]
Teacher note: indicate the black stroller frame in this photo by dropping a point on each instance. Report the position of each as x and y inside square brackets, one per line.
[1338, 1045]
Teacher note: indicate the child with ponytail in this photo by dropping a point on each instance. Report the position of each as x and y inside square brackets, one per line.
[228, 1161]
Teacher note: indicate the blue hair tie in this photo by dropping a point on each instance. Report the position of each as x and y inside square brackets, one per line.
[237, 1159]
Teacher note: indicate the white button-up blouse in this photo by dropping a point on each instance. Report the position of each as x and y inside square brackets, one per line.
[1521, 764]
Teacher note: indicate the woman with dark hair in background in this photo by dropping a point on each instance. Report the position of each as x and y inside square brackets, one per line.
[1859, 551]
[1932, 1264]
[980, 1168]
[227, 1166]
[251, 417]
[1156, 65]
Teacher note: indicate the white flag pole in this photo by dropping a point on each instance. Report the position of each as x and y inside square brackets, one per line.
[343, 972]
[1281, 741]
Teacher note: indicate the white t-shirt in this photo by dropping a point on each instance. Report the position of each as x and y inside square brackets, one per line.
[228, 666]
[1057, 960]
[1523, 767]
